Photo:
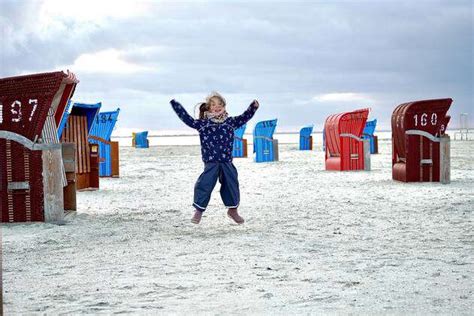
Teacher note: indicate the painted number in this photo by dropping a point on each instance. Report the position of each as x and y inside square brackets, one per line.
[34, 103]
[16, 111]
[422, 119]
[105, 118]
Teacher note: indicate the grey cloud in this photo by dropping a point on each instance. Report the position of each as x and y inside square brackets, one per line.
[281, 52]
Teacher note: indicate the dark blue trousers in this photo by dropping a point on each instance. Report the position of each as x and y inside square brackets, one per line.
[228, 177]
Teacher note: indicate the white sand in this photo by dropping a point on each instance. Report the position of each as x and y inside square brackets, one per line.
[314, 241]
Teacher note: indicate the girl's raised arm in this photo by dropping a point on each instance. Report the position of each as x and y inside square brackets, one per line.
[240, 120]
[183, 115]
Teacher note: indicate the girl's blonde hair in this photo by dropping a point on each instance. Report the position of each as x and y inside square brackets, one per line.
[217, 95]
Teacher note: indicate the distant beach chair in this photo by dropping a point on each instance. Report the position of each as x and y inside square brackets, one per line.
[345, 148]
[240, 143]
[368, 133]
[421, 149]
[32, 173]
[140, 140]
[264, 146]
[77, 130]
[465, 131]
[306, 140]
[101, 134]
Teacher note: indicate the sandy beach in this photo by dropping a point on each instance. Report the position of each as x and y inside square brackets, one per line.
[313, 242]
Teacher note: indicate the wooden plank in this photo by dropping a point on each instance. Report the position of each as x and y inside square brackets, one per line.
[80, 134]
[75, 127]
[79, 149]
[244, 144]
[114, 155]
[445, 160]
[366, 161]
[85, 138]
[52, 184]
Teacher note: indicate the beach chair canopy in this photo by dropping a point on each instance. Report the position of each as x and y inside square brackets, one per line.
[347, 124]
[104, 124]
[27, 101]
[264, 130]
[89, 110]
[239, 133]
[306, 131]
[369, 128]
[426, 116]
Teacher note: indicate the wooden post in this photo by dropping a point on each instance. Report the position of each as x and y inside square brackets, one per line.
[366, 144]
[52, 184]
[445, 159]
[376, 144]
[1, 269]
[311, 143]
[244, 150]
[276, 156]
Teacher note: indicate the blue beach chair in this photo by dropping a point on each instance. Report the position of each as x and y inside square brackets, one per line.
[368, 133]
[101, 134]
[240, 144]
[264, 146]
[306, 140]
[140, 140]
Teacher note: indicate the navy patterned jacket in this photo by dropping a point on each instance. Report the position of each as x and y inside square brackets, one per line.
[217, 139]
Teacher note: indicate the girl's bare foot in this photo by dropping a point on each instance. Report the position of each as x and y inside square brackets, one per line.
[197, 217]
[234, 215]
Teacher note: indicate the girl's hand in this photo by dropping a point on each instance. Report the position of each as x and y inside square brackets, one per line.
[256, 103]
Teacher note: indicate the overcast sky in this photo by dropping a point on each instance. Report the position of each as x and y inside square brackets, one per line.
[303, 60]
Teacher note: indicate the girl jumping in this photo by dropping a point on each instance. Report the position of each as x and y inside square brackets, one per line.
[216, 132]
